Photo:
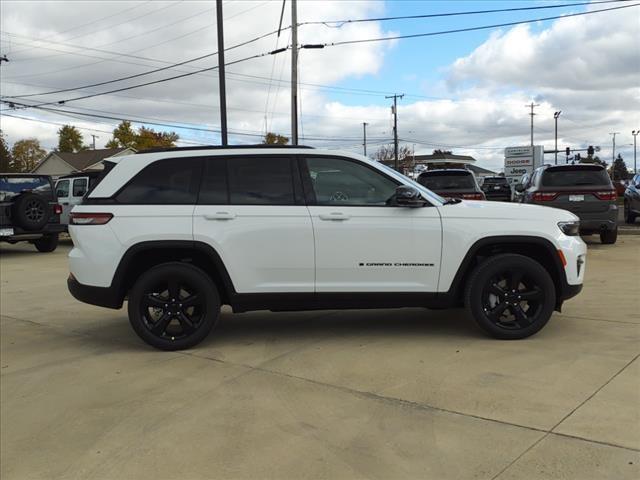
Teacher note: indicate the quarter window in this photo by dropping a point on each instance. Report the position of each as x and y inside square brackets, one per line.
[165, 182]
[260, 181]
[341, 182]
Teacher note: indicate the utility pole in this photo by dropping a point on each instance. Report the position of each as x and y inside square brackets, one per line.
[555, 116]
[94, 140]
[613, 153]
[635, 134]
[294, 73]
[221, 75]
[532, 106]
[364, 137]
[395, 97]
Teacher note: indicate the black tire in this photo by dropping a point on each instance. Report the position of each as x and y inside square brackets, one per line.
[609, 237]
[47, 243]
[30, 211]
[157, 310]
[498, 285]
[629, 216]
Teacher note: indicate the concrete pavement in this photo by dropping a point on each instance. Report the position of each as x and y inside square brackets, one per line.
[382, 394]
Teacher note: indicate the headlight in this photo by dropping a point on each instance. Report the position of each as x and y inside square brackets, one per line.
[570, 228]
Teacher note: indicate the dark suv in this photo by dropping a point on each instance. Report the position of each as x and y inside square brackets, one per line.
[452, 183]
[583, 189]
[497, 188]
[29, 210]
[632, 200]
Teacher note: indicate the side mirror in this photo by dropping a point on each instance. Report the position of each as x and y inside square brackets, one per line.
[406, 196]
[519, 188]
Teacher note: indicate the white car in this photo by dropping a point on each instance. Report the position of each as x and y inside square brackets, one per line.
[180, 232]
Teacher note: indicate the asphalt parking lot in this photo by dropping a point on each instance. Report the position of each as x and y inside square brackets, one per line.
[389, 394]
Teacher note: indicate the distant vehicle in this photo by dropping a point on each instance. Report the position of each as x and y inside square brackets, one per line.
[632, 200]
[452, 183]
[496, 188]
[71, 188]
[585, 190]
[524, 182]
[29, 210]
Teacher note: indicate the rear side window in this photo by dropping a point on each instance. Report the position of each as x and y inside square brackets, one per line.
[214, 189]
[165, 182]
[448, 181]
[79, 187]
[575, 177]
[13, 186]
[260, 181]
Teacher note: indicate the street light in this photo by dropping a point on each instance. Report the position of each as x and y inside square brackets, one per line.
[635, 134]
[555, 116]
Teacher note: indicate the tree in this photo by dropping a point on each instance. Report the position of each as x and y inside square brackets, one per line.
[619, 169]
[441, 152]
[124, 136]
[27, 154]
[70, 139]
[274, 139]
[6, 160]
[386, 154]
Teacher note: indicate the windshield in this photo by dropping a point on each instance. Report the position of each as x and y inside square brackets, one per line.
[13, 186]
[576, 176]
[448, 181]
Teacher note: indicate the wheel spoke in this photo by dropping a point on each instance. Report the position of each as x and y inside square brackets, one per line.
[174, 289]
[521, 316]
[151, 300]
[186, 324]
[496, 311]
[514, 281]
[191, 301]
[160, 326]
[497, 290]
[528, 295]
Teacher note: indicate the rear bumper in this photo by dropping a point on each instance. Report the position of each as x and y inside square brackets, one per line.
[19, 234]
[595, 222]
[108, 297]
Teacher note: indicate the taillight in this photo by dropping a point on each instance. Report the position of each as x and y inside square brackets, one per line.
[89, 218]
[473, 196]
[544, 196]
[606, 195]
[57, 209]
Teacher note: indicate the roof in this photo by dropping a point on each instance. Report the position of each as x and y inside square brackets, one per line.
[219, 147]
[445, 171]
[86, 158]
[444, 157]
[480, 170]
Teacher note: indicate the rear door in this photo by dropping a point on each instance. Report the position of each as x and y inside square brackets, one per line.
[63, 192]
[251, 211]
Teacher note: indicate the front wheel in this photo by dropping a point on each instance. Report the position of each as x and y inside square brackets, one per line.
[173, 306]
[629, 216]
[46, 243]
[510, 296]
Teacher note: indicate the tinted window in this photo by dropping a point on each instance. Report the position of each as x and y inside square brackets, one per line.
[494, 180]
[168, 182]
[62, 188]
[342, 182]
[448, 180]
[575, 176]
[260, 181]
[213, 190]
[13, 186]
[79, 187]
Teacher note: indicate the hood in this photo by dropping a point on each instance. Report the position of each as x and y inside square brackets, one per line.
[504, 211]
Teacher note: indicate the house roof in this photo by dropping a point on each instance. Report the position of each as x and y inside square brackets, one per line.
[86, 158]
[480, 170]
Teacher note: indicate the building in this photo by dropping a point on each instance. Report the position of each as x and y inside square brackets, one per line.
[451, 160]
[57, 164]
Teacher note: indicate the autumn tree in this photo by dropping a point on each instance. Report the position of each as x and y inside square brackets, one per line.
[27, 154]
[274, 139]
[6, 160]
[386, 155]
[70, 139]
[124, 136]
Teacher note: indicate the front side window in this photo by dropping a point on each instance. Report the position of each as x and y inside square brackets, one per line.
[260, 181]
[214, 189]
[342, 182]
[165, 182]
[62, 188]
[79, 187]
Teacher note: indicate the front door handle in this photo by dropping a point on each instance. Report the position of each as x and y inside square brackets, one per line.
[335, 216]
[220, 216]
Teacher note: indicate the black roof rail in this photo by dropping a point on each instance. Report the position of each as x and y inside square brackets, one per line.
[219, 147]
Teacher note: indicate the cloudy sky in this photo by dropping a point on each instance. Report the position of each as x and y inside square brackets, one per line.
[463, 91]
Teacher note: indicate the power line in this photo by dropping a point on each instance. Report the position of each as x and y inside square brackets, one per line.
[448, 14]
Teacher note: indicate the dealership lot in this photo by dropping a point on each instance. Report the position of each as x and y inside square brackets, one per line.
[404, 393]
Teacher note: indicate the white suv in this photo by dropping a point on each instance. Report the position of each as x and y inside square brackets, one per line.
[180, 232]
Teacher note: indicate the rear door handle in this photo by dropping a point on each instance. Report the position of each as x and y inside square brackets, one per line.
[335, 216]
[220, 216]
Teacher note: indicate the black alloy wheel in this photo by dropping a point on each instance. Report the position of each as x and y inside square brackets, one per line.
[173, 306]
[510, 296]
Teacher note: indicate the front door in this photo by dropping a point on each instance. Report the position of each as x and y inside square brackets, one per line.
[362, 243]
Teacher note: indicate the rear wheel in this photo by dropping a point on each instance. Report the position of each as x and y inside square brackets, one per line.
[609, 237]
[510, 296]
[629, 216]
[173, 306]
[47, 243]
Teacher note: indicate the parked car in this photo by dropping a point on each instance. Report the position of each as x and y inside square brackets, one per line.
[71, 188]
[496, 188]
[452, 183]
[180, 232]
[29, 210]
[583, 189]
[632, 200]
